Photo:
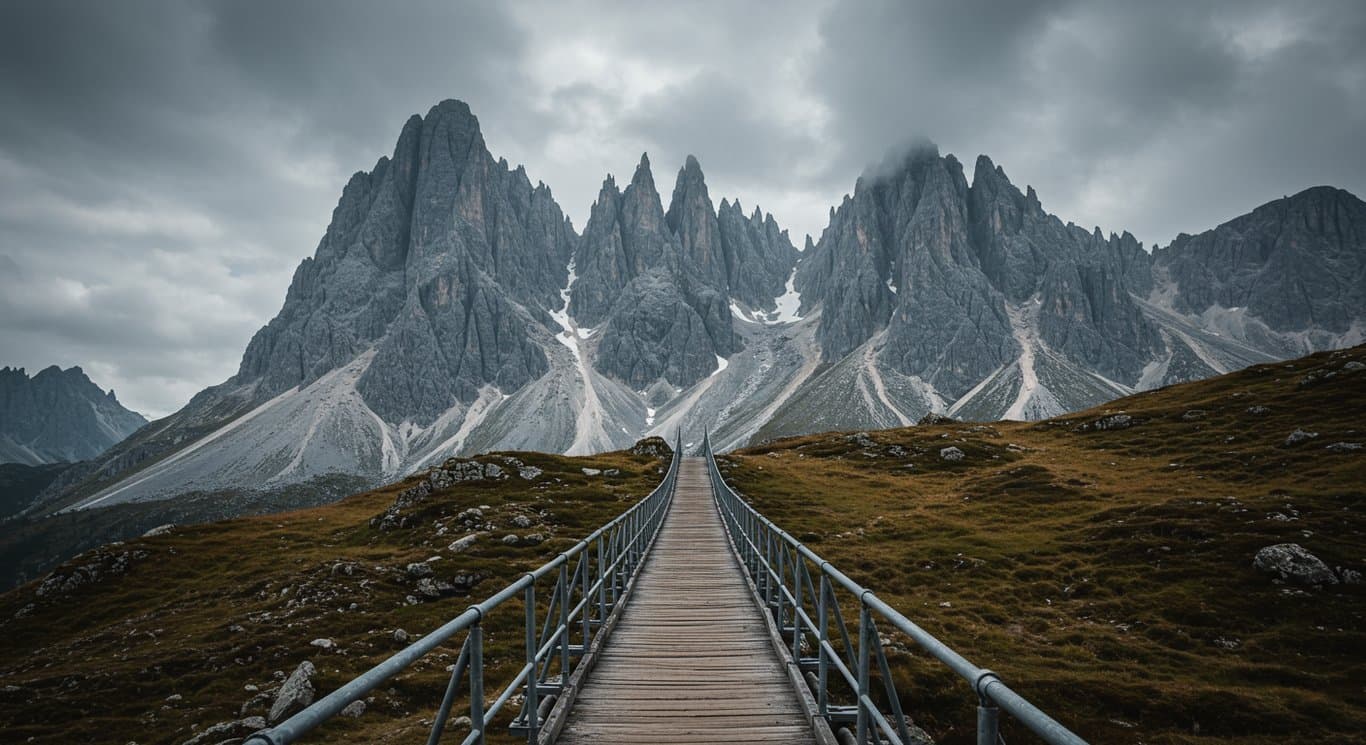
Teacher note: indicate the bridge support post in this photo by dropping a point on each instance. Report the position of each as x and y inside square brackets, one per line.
[477, 722]
[988, 724]
[823, 661]
[864, 644]
[532, 704]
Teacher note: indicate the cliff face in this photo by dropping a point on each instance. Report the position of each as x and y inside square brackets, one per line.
[435, 258]
[58, 416]
[1297, 264]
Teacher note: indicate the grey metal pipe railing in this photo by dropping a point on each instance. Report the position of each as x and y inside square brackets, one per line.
[779, 564]
[608, 559]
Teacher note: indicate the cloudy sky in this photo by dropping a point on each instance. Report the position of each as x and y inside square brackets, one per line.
[165, 166]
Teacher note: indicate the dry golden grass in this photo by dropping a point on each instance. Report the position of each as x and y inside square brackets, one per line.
[1104, 574]
[97, 666]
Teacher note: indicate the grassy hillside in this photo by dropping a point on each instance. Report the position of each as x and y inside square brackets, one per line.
[1107, 574]
[205, 611]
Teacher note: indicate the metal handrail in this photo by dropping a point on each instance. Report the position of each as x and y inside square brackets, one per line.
[608, 559]
[778, 564]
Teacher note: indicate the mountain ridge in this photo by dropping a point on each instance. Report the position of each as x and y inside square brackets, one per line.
[451, 308]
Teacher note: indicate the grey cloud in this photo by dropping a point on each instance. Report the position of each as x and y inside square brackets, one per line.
[165, 166]
[1152, 117]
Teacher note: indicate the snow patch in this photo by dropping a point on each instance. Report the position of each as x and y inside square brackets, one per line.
[721, 364]
[785, 307]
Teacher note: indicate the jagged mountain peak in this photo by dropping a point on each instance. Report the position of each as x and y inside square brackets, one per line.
[58, 416]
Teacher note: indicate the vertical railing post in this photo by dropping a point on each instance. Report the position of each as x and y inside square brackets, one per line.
[988, 723]
[477, 722]
[531, 698]
[823, 660]
[564, 623]
[797, 606]
[863, 649]
[782, 554]
[602, 578]
[587, 601]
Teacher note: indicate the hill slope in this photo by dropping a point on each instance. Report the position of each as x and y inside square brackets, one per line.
[210, 612]
[1107, 572]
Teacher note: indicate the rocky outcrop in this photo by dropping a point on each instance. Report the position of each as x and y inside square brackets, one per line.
[58, 416]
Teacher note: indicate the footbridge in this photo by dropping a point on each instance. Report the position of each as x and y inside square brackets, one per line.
[689, 618]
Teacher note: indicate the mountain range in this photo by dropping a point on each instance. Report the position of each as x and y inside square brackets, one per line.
[451, 307]
[58, 416]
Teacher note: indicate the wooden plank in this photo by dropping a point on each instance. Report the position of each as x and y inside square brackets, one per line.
[690, 661]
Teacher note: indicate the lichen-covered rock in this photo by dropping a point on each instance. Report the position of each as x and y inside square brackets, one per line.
[655, 447]
[1291, 562]
[1299, 437]
[223, 732]
[1108, 423]
[296, 693]
[952, 454]
[95, 567]
[461, 545]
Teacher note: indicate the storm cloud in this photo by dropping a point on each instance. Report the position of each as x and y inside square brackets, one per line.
[165, 166]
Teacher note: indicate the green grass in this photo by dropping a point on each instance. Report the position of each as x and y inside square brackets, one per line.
[1099, 573]
[98, 664]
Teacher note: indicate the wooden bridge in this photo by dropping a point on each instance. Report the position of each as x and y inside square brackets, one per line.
[692, 659]
[689, 618]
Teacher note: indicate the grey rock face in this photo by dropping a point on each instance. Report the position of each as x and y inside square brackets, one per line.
[936, 262]
[430, 258]
[58, 416]
[1295, 263]
[1291, 562]
[759, 255]
[660, 294]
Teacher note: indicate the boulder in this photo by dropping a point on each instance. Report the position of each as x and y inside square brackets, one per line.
[296, 694]
[952, 454]
[1291, 562]
[1299, 437]
[227, 731]
[462, 544]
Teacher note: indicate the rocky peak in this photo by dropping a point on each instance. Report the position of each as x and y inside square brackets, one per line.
[691, 219]
[426, 260]
[58, 416]
[1296, 263]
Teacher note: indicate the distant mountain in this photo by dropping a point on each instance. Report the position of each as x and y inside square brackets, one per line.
[451, 307]
[58, 416]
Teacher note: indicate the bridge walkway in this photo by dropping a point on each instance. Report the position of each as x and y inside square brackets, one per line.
[691, 660]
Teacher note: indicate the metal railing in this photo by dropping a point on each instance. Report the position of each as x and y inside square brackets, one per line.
[808, 614]
[579, 605]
